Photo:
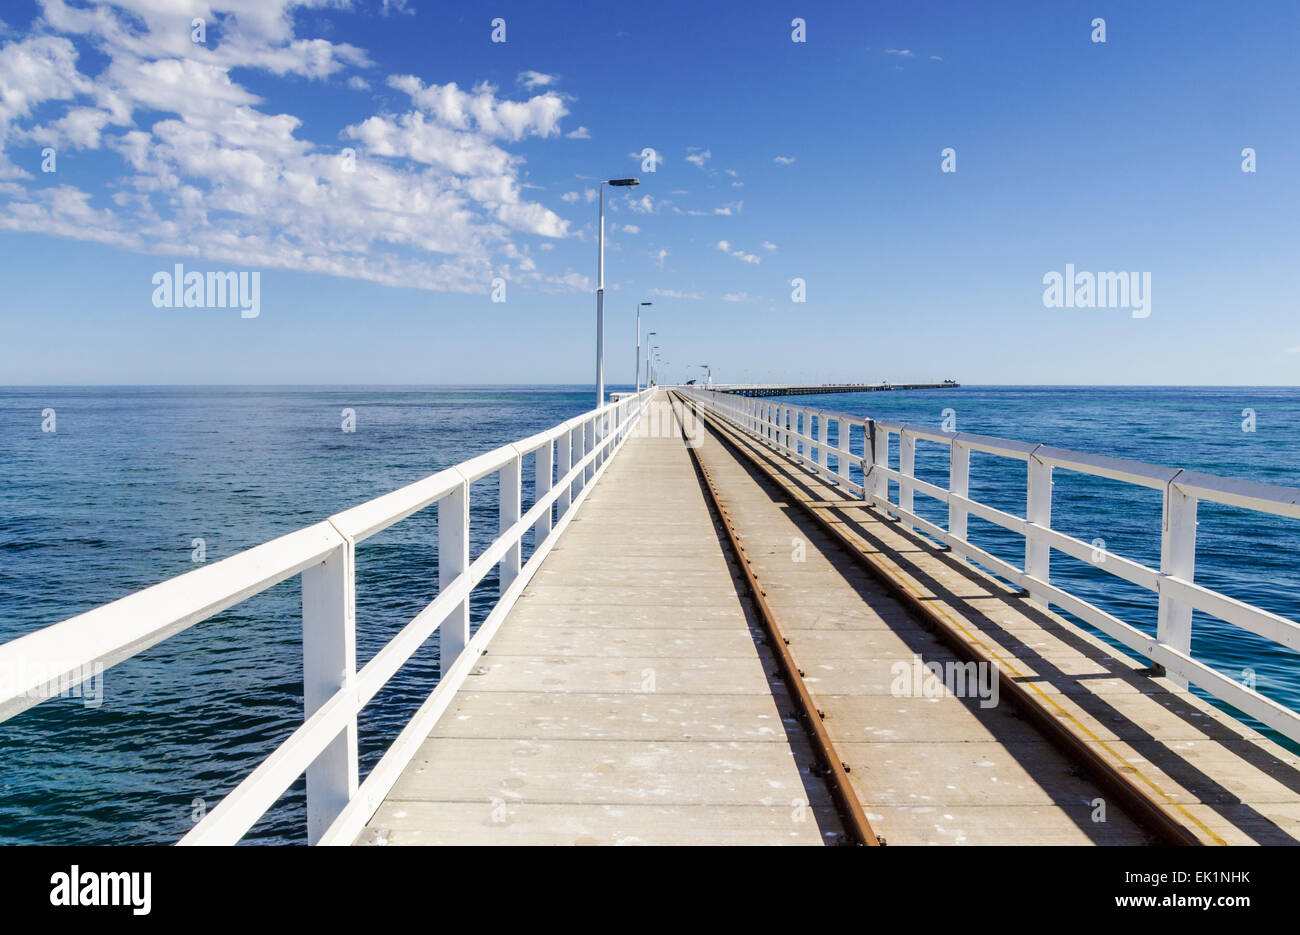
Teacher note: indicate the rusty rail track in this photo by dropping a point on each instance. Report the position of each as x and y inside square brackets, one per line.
[832, 769]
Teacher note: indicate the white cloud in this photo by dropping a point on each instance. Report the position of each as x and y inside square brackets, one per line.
[768, 245]
[582, 133]
[726, 245]
[784, 160]
[535, 79]
[480, 109]
[698, 157]
[570, 197]
[676, 294]
[726, 210]
[396, 7]
[659, 256]
[631, 229]
[906, 53]
[79, 128]
[643, 205]
[197, 166]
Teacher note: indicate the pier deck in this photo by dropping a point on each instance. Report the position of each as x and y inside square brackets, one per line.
[628, 697]
[625, 699]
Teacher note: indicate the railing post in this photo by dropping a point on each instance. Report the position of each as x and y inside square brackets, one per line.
[329, 663]
[906, 467]
[509, 508]
[588, 446]
[875, 450]
[823, 439]
[543, 480]
[959, 484]
[453, 560]
[843, 441]
[564, 454]
[1038, 510]
[1178, 560]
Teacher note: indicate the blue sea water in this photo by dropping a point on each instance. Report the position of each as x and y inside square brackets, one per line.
[112, 500]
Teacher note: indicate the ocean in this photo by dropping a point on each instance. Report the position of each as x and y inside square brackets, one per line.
[136, 483]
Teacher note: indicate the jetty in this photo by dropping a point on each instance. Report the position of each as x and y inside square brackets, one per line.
[721, 619]
[819, 389]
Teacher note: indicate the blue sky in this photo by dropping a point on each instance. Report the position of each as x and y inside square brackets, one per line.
[779, 160]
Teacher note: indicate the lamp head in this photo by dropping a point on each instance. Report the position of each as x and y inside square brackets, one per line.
[624, 183]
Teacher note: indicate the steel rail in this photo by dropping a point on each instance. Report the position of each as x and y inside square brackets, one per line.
[1133, 800]
[834, 772]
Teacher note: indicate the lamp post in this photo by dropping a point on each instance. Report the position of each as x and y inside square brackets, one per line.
[600, 288]
[649, 335]
[638, 344]
[709, 371]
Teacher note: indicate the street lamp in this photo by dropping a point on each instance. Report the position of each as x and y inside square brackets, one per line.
[638, 344]
[600, 288]
[709, 371]
[648, 336]
[652, 371]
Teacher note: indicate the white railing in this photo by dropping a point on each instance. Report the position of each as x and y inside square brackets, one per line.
[803, 434]
[567, 460]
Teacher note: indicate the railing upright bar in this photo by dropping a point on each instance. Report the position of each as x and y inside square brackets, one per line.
[543, 480]
[906, 467]
[843, 452]
[509, 503]
[453, 561]
[1177, 560]
[823, 440]
[564, 459]
[959, 484]
[588, 444]
[1038, 511]
[875, 450]
[329, 663]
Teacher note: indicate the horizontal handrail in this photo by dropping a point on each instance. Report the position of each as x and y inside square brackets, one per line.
[41, 664]
[789, 429]
[38, 665]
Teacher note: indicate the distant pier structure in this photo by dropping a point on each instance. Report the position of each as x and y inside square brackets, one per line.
[778, 389]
